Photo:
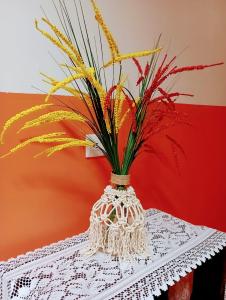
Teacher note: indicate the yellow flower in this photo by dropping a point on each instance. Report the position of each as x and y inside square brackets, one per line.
[89, 74]
[107, 122]
[80, 69]
[57, 43]
[117, 108]
[115, 53]
[64, 39]
[122, 57]
[72, 68]
[119, 99]
[54, 116]
[83, 71]
[20, 115]
[63, 83]
[37, 139]
[70, 90]
[100, 90]
[111, 42]
[74, 143]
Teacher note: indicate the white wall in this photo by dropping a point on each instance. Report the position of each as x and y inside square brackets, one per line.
[196, 24]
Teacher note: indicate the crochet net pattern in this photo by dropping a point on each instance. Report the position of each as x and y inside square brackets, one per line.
[117, 224]
[61, 271]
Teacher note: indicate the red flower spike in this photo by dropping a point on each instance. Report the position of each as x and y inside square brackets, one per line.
[155, 82]
[147, 69]
[164, 93]
[192, 68]
[139, 80]
[167, 97]
[150, 90]
[171, 95]
[168, 65]
[164, 59]
[176, 70]
[185, 94]
[148, 93]
[160, 98]
[162, 79]
[139, 68]
[161, 71]
[108, 97]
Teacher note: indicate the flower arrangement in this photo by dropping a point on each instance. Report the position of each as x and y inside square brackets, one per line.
[107, 110]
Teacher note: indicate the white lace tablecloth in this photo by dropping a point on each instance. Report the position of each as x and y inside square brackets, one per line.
[61, 271]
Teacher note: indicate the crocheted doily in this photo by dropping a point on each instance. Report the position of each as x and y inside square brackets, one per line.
[60, 271]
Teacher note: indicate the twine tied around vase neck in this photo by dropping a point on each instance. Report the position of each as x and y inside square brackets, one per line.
[120, 179]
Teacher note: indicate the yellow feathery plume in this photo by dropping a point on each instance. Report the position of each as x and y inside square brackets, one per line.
[89, 74]
[57, 43]
[51, 79]
[37, 139]
[111, 42]
[69, 79]
[122, 57]
[63, 83]
[119, 101]
[75, 143]
[116, 106]
[76, 69]
[79, 94]
[70, 90]
[84, 71]
[116, 56]
[81, 70]
[58, 139]
[20, 115]
[60, 35]
[137, 100]
[107, 122]
[54, 116]
[124, 118]
[100, 90]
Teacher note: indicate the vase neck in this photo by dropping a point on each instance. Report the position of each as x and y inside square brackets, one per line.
[120, 182]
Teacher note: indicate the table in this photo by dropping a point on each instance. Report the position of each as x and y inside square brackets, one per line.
[62, 271]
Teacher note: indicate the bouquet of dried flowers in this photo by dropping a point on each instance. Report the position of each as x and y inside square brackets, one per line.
[107, 109]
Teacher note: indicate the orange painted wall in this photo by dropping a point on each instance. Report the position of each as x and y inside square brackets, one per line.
[45, 200]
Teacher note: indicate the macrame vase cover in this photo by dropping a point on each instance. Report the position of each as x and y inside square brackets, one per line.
[117, 222]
